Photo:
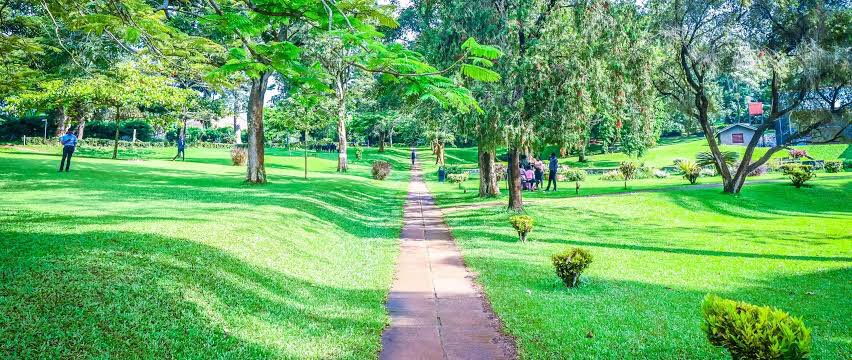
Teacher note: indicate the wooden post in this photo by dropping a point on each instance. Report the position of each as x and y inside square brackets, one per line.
[25, 140]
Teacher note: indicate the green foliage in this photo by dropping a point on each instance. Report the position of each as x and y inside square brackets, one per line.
[359, 152]
[577, 176]
[754, 332]
[833, 166]
[627, 170]
[705, 158]
[690, 170]
[799, 174]
[570, 264]
[380, 169]
[458, 178]
[523, 224]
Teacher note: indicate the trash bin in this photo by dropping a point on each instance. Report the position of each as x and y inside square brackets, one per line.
[442, 175]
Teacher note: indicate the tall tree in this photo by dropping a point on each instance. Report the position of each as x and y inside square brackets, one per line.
[777, 42]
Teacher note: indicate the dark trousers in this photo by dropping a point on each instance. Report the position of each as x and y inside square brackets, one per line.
[551, 179]
[179, 154]
[65, 164]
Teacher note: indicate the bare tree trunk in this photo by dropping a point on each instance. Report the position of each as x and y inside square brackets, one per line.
[117, 127]
[61, 121]
[255, 169]
[342, 156]
[81, 129]
[306, 154]
[487, 173]
[238, 136]
[382, 142]
[439, 154]
[516, 202]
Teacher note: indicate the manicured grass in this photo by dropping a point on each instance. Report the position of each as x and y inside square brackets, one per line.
[663, 154]
[161, 259]
[656, 255]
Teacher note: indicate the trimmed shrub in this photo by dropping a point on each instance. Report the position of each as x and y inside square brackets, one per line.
[458, 179]
[690, 170]
[708, 172]
[611, 175]
[577, 176]
[454, 169]
[359, 152]
[381, 169]
[627, 170]
[239, 155]
[799, 174]
[523, 224]
[570, 264]
[754, 332]
[833, 166]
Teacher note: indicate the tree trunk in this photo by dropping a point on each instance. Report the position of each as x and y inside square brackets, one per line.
[440, 160]
[238, 138]
[487, 173]
[306, 154]
[516, 202]
[81, 129]
[61, 121]
[342, 156]
[255, 170]
[382, 142]
[117, 127]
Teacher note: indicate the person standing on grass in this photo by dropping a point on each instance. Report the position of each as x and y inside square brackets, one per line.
[413, 157]
[553, 165]
[181, 144]
[69, 143]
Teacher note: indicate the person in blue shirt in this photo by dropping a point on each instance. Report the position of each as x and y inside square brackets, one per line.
[69, 143]
[553, 165]
[181, 143]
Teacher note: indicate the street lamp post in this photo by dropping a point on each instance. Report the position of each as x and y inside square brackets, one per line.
[45, 128]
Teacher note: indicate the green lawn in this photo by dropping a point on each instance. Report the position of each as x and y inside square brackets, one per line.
[656, 255]
[663, 154]
[161, 259]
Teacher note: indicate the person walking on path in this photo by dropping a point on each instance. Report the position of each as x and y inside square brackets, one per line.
[413, 157]
[69, 143]
[181, 143]
[553, 165]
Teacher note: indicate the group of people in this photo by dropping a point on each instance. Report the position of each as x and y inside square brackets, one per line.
[532, 172]
[69, 144]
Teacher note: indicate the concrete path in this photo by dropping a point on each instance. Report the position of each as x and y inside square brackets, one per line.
[436, 310]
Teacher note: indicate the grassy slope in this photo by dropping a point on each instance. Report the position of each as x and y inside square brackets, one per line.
[173, 259]
[655, 256]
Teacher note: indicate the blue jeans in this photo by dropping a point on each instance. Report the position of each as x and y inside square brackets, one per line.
[65, 164]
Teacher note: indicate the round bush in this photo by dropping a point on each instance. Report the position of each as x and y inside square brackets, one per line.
[381, 169]
[834, 166]
[523, 224]
[754, 332]
[570, 264]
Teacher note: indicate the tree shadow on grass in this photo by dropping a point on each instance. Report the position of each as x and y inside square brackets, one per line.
[131, 295]
[355, 205]
[768, 201]
[636, 319]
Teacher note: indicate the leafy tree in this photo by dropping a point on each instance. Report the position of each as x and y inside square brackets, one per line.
[780, 43]
[303, 111]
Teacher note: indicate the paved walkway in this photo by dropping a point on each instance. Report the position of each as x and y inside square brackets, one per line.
[436, 310]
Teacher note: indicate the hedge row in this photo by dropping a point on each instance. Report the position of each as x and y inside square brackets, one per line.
[95, 142]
